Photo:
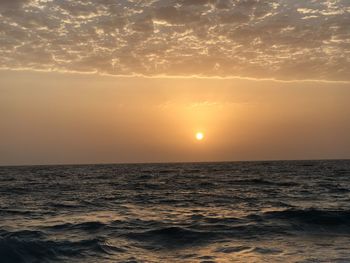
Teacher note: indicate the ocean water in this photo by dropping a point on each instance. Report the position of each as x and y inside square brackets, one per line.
[288, 211]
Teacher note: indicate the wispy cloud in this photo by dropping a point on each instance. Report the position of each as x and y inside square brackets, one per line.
[279, 39]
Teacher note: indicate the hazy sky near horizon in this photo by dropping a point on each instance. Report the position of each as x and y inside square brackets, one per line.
[86, 118]
[104, 81]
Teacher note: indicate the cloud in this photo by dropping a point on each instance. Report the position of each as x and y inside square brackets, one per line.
[279, 39]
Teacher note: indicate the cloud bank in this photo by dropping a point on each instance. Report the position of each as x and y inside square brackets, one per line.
[281, 39]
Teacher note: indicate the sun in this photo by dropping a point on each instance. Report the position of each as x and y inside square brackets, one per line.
[199, 136]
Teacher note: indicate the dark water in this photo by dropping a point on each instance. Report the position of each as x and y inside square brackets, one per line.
[216, 212]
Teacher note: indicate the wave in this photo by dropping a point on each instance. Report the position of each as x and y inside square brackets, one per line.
[325, 218]
[32, 246]
[36, 246]
[259, 181]
[17, 250]
[282, 222]
[204, 229]
[233, 249]
[172, 237]
[87, 226]
[63, 205]
[15, 212]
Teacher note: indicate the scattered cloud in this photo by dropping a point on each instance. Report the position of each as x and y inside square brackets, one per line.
[279, 39]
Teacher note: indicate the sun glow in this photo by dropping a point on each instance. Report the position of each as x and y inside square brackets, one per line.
[199, 136]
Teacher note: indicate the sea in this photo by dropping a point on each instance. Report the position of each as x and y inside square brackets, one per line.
[271, 211]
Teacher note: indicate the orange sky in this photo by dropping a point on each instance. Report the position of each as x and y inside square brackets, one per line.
[103, 81]
[82, 118]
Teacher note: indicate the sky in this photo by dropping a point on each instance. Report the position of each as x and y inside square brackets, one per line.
[133, 81]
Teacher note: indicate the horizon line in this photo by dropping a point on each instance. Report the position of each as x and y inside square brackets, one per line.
[174, 162]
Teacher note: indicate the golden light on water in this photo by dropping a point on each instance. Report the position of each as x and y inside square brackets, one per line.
[199, 136]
